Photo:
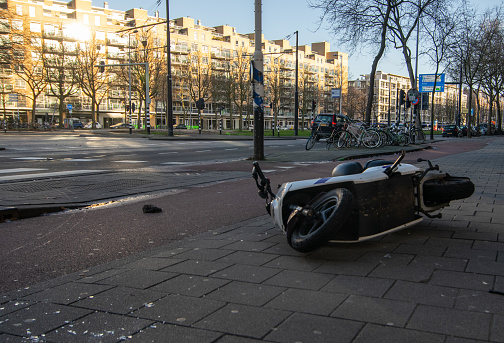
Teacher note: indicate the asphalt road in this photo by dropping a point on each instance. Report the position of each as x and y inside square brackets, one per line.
[41, 248]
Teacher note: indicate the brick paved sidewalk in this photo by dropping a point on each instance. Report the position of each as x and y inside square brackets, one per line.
[441, 281]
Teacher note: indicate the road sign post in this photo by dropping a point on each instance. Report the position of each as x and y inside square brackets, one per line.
[426, 82]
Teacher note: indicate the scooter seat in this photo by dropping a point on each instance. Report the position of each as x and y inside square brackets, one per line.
[348, 168]
[351, 168]
[376, 163]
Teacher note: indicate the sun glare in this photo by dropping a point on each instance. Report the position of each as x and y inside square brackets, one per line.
[79, 32]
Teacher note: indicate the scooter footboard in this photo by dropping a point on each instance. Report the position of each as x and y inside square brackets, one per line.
[378, 206]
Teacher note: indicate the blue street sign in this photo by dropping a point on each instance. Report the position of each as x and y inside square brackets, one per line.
[336, 93]
[426, 82]
[69, 107]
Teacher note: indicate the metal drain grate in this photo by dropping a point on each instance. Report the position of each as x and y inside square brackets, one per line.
[43, 186]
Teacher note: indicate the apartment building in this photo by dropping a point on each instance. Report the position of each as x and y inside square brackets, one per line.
[121, 36]
[387, 89]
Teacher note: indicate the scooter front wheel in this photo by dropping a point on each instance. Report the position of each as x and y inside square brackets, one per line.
[328, 214]
[447, 189]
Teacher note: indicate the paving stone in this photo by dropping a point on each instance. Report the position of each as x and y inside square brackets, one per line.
[173, 252]
[67, 293]
[305, 301]
[486, 267]
[468, 254]
[16, 339]
[375, 310]
[243, 320]
[358, 285]
[480, 301]
[39, 319]
[119, 300]
[346, 268]
[172, 333]
[407, 273]
[446, 263]
[494, 246]
[92, 278]
[451, 322]
[236, 339]
[389, 334]
[204, 243]
[255, 274]
[191, 285]
[420, 250]
[245, 293]
[247, 258]
[138, 278]
[376, 258]
[13, 306]
[461, 280]
[179, 309]
[448, 242]
[203, 254]
[299, 279]
[153, 263]
[294, 263]
[333, 253]
[310, 328]
[250, 246]
[98, 327]
[477, 236]
[421, 293]
[497, 333]
[197, 267]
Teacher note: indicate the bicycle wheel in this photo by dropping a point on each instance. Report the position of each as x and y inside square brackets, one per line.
[344, 140]
[402, 139]
[417, 136]
[311, 142]
[370, 139]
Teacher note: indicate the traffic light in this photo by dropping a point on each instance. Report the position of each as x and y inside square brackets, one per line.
[313, 105]
[133, 107]
[402, 95]
[102, 68]
[127, 108]
[408, 102]
[200, 104]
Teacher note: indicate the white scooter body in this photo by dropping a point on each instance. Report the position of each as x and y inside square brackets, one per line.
[369, 175]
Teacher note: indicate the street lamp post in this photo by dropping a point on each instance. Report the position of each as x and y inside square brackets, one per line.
[169, 100]
[129, 81]
[296, 93]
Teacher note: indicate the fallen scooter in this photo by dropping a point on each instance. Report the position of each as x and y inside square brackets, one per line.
[359, 203]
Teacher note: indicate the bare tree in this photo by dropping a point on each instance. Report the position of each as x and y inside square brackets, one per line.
[355, 103]
[59, 63]
[199, 77]
[360, 23]
[91, 80]
[273, 86]
[240, 73]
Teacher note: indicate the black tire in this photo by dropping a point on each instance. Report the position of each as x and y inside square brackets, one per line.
[311, 142]
[447, 189]
[331, 211]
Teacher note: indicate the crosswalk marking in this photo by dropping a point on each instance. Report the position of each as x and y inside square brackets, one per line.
[174, 163]
[19, 170]
[29, 158]
[81, 159]
[45, 175]
[130, 161]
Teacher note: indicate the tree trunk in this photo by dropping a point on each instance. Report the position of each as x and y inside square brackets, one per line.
[377, 58]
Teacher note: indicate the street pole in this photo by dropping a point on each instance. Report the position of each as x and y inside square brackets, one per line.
[341, 83]
[129, 81]
[147, 98]
[258, 86]
[296, 94]
[169, 101]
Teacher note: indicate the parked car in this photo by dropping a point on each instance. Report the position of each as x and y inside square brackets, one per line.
[329, 121]
[120, 126]
[483, 128]
[90, 125]
[77, 125]
[463, 128]
[180, 126]
[452, 131]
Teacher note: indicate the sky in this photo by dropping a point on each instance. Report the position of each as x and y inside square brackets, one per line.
[280, 18]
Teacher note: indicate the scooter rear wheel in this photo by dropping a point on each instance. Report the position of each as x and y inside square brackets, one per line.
[447, 189]
[330, 213]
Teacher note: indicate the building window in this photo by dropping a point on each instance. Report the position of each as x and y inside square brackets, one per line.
[47, 13]
[203, 36]
[35, 27]
[17, 25]
[97, 20]
[32, 11]
[100, 35]
[19, 10]
[195, 35]
[85, 19]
